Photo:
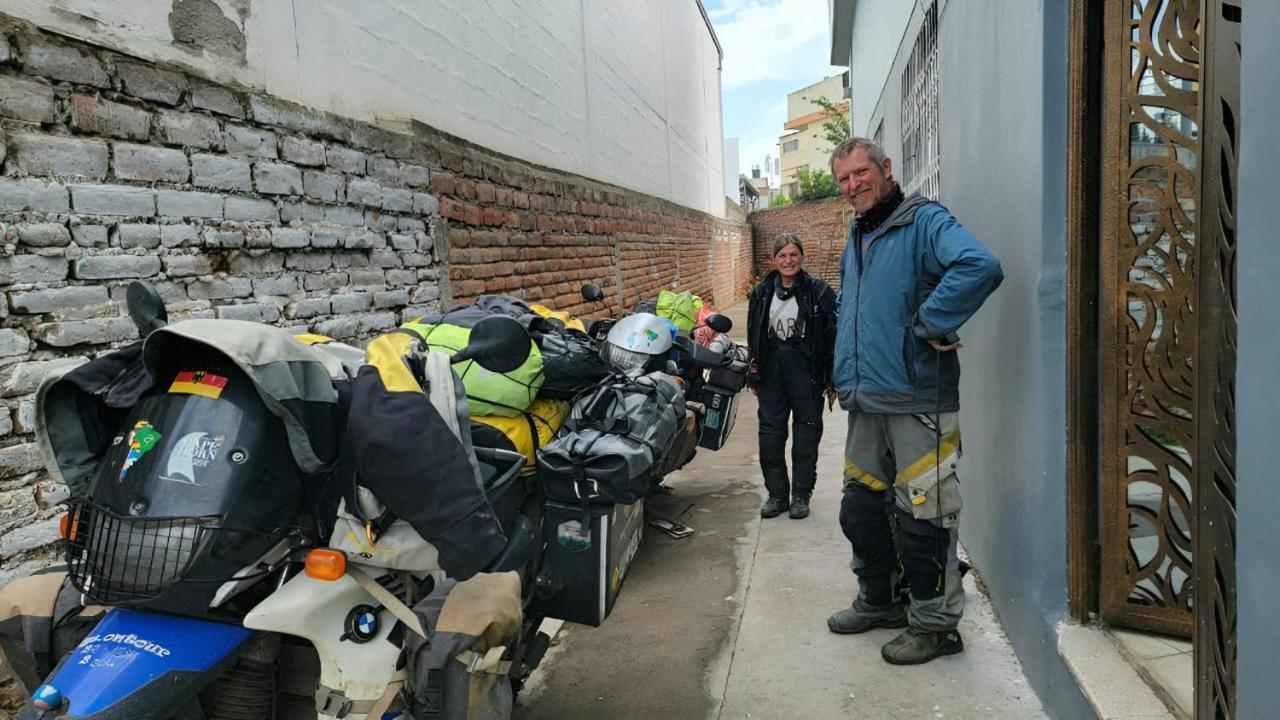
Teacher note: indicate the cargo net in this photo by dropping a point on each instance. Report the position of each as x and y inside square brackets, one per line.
[114, 559]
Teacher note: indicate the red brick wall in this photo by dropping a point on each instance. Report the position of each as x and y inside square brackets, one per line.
[732, 250]
[540, 234]
[822, 227]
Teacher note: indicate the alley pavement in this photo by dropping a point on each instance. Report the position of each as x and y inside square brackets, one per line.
[731, 623]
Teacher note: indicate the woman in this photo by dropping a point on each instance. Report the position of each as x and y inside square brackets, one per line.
[791, 332]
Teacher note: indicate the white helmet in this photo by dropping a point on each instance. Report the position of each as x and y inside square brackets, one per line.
[637, 343]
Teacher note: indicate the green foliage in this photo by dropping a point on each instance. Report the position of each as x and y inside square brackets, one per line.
[815, 185]
[836, 127]
[779, 200]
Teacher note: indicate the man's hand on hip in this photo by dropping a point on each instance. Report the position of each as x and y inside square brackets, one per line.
[941, 347]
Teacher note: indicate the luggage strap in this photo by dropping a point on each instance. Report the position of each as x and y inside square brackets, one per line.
[387, 599]
[582, 485]
[490, 663]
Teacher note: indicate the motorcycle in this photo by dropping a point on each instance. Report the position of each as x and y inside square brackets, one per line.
[211, 532]
[202, 532]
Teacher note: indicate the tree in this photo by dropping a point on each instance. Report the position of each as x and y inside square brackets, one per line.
[779, 200]
[815, 185]
[836, 126]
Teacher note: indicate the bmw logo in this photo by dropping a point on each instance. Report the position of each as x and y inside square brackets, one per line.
[362, 624]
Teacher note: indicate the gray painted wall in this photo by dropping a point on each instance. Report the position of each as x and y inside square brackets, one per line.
[879, 31]
[1257, 387]
[1003, 114]
[888, 102]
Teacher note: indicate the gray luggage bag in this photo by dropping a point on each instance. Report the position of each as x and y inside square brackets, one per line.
[614, 441]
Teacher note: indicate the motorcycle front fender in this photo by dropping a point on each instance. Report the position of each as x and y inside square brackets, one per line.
[139, 666]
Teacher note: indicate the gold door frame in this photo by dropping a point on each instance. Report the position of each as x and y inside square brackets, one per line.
[1083, 226]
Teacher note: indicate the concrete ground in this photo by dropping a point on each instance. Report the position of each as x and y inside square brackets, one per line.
[731, 622]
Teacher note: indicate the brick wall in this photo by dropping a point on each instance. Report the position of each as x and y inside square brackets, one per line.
[540, 235]
[821, 226]
[238, 205]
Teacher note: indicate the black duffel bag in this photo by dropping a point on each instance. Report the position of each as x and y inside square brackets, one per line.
[571, 363]
[615, 441]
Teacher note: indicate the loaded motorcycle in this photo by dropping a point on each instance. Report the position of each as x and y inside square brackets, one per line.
[200, 526]
[204, 523]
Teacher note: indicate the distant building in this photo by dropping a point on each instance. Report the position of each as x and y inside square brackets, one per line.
[804, 145]
[748, 196]
[764, 190]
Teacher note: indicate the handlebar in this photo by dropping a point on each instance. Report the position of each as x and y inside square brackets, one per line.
[699, 355]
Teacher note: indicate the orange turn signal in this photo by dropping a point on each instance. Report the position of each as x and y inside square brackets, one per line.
[325, 564]
[67, 527]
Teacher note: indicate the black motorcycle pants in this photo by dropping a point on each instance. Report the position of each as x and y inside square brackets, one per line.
[787, 391]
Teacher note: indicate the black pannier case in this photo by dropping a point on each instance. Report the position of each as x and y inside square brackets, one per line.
[586, 568]
[722, 410]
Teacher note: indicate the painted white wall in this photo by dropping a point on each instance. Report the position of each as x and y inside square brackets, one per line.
[878, 30]
[624, 92]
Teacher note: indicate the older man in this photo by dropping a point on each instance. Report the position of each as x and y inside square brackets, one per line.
[910, 277]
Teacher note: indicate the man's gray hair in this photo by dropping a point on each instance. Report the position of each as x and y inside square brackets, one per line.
[875, 153]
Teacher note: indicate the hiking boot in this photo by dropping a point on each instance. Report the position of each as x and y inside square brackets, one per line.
[799, 508]
[862, 616]
[916, 646]
[773, 507]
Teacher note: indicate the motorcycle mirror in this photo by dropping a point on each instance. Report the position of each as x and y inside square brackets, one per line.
[146, 307]
[499, 343]
[719, 323]
[592, 292]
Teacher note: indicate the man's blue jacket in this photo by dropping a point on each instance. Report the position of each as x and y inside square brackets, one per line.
[919, 276]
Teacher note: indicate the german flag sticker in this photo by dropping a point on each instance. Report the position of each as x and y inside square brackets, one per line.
[198, 382]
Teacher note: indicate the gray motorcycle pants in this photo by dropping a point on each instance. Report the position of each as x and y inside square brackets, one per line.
[901, 512]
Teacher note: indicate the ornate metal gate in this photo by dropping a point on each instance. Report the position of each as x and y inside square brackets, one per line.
[1167, 134]
[1167, 327]
[1147, 323]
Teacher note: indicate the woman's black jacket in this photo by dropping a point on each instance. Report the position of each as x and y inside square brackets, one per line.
[817, 306]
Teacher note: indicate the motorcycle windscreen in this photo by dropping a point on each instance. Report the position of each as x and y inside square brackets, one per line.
[118, 662]
[174, 459]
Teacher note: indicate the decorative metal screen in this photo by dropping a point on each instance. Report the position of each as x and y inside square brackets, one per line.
[920, 168]
[1147, 315]
[1215, 511]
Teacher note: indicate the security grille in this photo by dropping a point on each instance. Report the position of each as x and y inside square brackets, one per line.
[920, 165]
[115, 559]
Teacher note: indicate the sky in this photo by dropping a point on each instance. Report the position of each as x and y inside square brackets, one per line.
[771, 48]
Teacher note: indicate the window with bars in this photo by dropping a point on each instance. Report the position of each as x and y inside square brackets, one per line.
[790, 146]
[920, 159]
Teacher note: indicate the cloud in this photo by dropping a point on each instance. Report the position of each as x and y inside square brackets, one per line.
[778, 40]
